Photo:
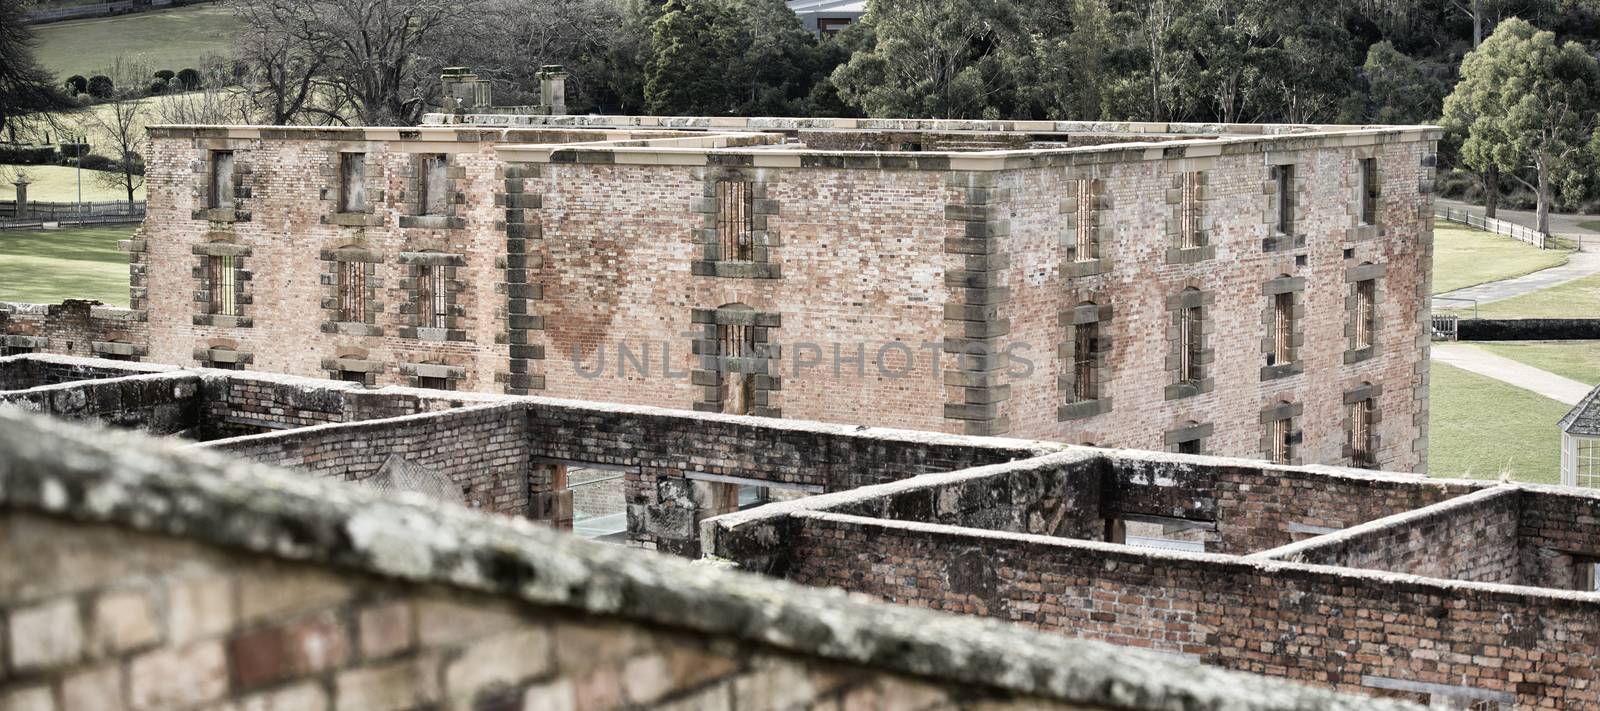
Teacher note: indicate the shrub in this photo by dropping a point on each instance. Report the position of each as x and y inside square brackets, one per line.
[27, 155]
[156, 87]
[72, 149]
[100, 86]
[95, 161]
[83, 99]
[165, 75]
[76, 84]
[189, 77]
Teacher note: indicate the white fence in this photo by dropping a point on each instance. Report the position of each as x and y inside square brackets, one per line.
[1514, 231]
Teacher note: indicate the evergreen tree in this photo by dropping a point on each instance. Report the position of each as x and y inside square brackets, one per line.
[1525, 104]
[694, 45]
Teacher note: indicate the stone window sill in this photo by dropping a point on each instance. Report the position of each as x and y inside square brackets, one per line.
[1281, 370]
[221, 214]
[1179, 391]
[351, 328]
[221, 321]
[736, 270]
[1191, 255]
[1358, 355]
[1083, 410]
[353, 219]
[1283, 243]
[432, 222]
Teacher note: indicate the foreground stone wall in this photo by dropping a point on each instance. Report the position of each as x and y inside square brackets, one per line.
[1471, 538]
[1348, 629]
[21, 372]
[134, 575]
[76, 327]
[158, 403]
[481, 451]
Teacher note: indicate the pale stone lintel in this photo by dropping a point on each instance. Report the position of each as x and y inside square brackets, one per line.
[243, 132]
[991, 161]
[525, 153]
[660, 156]
[742, 481]
[379, 133]
[775, 160]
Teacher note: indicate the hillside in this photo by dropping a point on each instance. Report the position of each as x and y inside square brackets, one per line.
[167, 39]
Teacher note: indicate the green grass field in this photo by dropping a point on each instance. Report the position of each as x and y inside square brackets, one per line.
[54, 183]
[1579, 298]
[1591, 225]
[1579, 360]
[1464, 257]
[166, 39]
[1480, 428]
[46, 266]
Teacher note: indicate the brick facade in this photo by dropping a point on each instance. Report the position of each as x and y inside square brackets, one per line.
[927, 287]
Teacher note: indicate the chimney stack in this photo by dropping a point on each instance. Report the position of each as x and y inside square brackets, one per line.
[553, 90]
[464, 92]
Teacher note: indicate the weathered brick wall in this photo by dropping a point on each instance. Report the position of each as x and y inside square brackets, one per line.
[1559, 527]
[1314, 625]
[884, 266]
[21, 372]
[159, 403]
[1260, 507]
[76, 327]
[483, 451]
[144, 622]
[1140, 278]
[660, 449]
[1471, 538]
[288, 225]
[135, 575]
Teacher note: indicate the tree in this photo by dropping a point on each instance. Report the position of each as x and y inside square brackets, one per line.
[25, 87]
[101, 86]
[381, 56]
[281, 73]
[691, 48]
[1526, 103]
[122, 120]
[1399, 90]
[77, 84]
[596, 41]
[188, 78]
[933, 58]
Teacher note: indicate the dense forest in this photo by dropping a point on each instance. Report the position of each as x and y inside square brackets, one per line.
[1515, 81]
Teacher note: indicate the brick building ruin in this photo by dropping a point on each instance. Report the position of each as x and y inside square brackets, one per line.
[137, 575]
[1253, 291]
[1453, 593]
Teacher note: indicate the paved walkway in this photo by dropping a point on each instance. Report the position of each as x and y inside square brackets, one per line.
[1527, 377]
[1579, 265]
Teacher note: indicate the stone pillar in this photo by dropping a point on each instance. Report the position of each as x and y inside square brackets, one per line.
[553, 90]
[22, 196]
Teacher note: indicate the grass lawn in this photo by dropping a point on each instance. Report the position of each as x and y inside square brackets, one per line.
[1579, 360]
[1463, 257]
[167, 39]
[46, 266]
[1591, 225]
[1579, 298]
[54, 183]
[1480, 427]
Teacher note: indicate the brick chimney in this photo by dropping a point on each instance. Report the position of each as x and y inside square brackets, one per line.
[464, 92]
[553, 89]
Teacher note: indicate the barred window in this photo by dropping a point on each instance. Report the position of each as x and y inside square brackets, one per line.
[1369, 191]
[1283, 440]
[352, 182]
[1189, 344]
[1282, 328]
[1189, 213]
[433, 383]
[433, 308]
[735, 225]
[434, 186]
[222, 276]
[1360, 435]
[1191, 446]
[352, 291]
[1085, 378]
[222, 187]
[1083, 243]
[1366, 312]
[1284, 175]
[736, 341]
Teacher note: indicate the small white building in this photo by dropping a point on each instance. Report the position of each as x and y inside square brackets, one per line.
[1580, 443]
[826, 17]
